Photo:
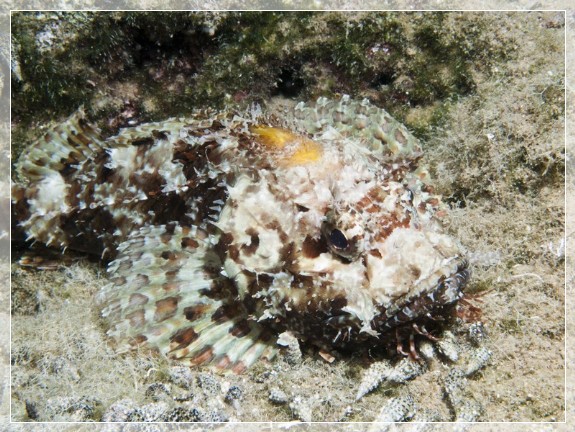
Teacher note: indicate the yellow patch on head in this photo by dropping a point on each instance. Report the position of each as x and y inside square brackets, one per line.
[306, 151]
[274, 137]
[296, 150]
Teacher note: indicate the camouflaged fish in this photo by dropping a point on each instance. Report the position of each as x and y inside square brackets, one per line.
[226, 230]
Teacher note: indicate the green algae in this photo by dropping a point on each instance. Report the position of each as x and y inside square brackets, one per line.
[185, 60]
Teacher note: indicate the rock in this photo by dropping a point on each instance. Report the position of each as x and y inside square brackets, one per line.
[235, 393]
[301, 409]
[182, 414]
[208, 383]
[119, 411]
[158, 391]
[182, 377]
[70, 409]
[148, 413]
[277, 396]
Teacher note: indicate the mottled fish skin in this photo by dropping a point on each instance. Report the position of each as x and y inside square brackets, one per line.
[226, 229]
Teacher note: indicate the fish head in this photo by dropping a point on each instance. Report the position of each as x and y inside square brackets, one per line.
[326, 235]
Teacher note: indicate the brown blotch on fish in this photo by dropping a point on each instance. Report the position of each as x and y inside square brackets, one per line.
[400, 137]
[159, 135]
[192, 313]
[234, 253]
[68, 169]
[171, 227]
[189, 243]
[119, 280]
[338, 303]
[137, 299]
[390, 224]
[375, 253]
[239, 367]
[138, 340]
[171, 287]
[137, 318]
[415, 271]
[240, 329]
[254, 242]
[223, 362]
[301, 281]
[224, 242]
[182, 338]
[226, 312]
[312, 248]
[124, 266]
[258, 283]
[166, 308]
[140, 281]
[172, 275]
[204, 356]
[169, 255]
[143, 141]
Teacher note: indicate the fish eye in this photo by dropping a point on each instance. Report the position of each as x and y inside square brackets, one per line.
[338, 243]
[338, 240]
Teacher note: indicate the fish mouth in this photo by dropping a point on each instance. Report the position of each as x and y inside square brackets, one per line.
[426, 311]
[448, 291]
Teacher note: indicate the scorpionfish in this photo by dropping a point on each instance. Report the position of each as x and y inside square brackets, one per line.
[224, 230]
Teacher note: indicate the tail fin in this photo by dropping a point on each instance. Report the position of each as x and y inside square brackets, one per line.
[168, 295]
[62, 147]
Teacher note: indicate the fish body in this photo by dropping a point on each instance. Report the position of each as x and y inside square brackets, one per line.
[224, 230]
